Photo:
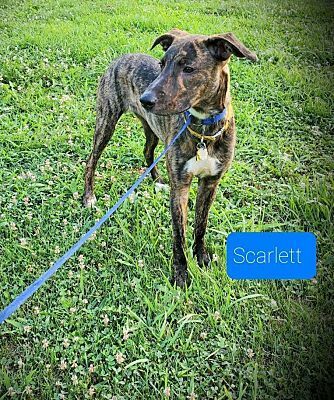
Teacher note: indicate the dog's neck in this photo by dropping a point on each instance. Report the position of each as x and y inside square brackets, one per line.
[206, 130]
[201, 116]
[197, 114]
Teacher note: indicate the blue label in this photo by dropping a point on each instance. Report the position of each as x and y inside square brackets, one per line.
[271, 255]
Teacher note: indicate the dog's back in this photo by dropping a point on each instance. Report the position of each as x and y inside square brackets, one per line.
[121, 87]
[127, 78]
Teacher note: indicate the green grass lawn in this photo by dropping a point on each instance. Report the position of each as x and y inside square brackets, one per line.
[108, 325]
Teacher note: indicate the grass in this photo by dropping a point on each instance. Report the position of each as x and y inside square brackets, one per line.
[108, 325]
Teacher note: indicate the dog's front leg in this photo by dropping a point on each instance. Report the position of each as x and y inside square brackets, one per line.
[179, 181]
[206, 193]
[179, 210]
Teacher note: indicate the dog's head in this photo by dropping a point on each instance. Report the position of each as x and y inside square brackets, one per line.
[193, 71]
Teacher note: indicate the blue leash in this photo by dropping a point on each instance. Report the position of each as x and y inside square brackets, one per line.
[30, 290]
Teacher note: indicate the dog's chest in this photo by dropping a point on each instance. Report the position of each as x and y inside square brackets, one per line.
[208, 167]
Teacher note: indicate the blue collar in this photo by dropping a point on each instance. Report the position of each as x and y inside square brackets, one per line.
[211, 120]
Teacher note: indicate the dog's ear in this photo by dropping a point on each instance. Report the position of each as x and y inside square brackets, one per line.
[223, 46]
[168, 38]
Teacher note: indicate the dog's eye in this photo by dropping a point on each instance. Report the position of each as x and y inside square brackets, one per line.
[188, 70]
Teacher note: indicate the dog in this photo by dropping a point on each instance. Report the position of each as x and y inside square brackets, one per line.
[192, 80]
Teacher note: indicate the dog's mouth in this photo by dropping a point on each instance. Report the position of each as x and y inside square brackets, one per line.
[166, 114]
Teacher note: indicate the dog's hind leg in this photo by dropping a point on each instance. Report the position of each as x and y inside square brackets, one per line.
[150, 145]
[108, 113]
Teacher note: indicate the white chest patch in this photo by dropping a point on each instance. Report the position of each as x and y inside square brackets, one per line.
[202, 168]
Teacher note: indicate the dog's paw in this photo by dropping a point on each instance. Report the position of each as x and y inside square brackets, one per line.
[89, 201]
[203, 258]
[181, 279]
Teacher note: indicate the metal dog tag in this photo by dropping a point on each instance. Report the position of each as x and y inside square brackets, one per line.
[202, 151]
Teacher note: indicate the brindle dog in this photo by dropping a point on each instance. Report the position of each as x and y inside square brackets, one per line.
[193, 75]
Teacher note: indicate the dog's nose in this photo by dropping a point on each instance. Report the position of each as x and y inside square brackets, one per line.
[148, 100]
